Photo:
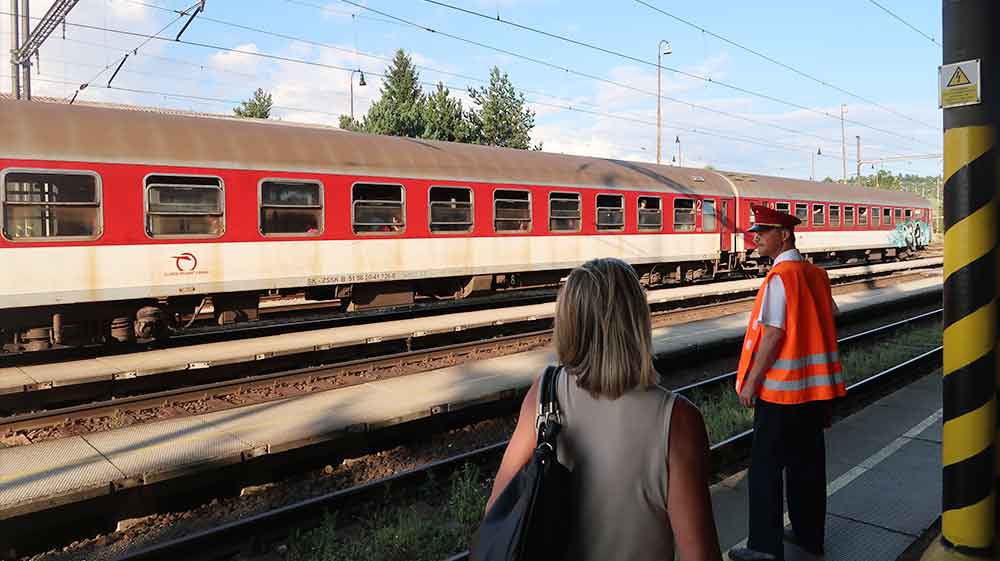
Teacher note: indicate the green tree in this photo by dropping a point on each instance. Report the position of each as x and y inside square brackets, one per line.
[257, 107]
[444, 117]
[349, 124]
[500, 117]
[400, 108]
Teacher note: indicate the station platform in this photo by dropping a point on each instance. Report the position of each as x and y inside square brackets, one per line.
[883, 480]
[38, 476]
[164, 361]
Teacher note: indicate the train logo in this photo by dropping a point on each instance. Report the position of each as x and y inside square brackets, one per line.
[186, 262]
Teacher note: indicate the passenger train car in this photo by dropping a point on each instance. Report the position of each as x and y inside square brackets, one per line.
[116, 222]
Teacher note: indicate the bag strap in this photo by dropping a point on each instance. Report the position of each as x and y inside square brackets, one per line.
[548, 406]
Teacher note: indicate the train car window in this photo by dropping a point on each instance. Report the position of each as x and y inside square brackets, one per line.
[876, 215]
[848, 216]
[377, 208]
[887, 216]
[802, 213]
[783, 207]
[709, 220]
[51, 205]
[834, 215]
[908, 214]
[862, 216]
[610, 212]
[564, 212]
[511, 211]
[683, 215]
[898, 213]
[290, 208]
[450, 209]
[819, 215]
[184, 206]
[650, 213]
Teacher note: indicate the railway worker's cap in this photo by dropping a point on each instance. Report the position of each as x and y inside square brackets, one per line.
[767, 218]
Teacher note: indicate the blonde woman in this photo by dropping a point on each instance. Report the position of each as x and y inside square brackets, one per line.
[638, 453]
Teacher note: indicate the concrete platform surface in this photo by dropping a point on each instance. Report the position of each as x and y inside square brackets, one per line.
[884, 480]
[166, 449]
[27, 378]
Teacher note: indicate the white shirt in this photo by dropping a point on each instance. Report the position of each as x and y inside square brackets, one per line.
[772, 307]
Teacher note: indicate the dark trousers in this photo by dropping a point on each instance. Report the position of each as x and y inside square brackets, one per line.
[787, 438]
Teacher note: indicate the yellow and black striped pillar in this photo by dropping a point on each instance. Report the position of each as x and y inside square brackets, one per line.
[971, 265]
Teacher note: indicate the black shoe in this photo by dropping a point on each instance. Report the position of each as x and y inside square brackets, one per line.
[747, 554]
[811, 549]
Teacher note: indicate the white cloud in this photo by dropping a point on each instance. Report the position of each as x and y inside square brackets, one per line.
[240, 61]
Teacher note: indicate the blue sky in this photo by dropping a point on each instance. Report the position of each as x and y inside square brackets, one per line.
[853, 45]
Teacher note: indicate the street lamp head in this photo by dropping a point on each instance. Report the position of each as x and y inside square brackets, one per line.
[677, 139]
[362, 81]
[819, 151]
[667, 50]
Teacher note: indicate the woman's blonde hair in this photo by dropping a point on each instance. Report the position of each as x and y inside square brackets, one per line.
[602, 329]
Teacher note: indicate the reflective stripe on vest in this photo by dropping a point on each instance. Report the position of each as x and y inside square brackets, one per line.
[808, 364]
[800, 363]
[803, 383]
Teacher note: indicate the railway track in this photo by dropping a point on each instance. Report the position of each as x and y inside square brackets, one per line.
[262, 532]
[242, 376]
[192, 398]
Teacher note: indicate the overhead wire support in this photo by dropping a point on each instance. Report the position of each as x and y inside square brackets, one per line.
[613, 53]
[200, 9]
[46, 25]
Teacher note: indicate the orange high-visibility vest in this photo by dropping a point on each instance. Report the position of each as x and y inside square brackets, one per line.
[807, 367]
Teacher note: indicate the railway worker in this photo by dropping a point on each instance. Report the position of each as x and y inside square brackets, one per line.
[625, 437]
[788, 372]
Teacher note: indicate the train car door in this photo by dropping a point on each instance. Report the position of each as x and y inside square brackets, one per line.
[725, 226]
[748, 213]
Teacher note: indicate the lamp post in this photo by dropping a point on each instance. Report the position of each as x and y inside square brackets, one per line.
[360, 83]
[819, 152]
[663, 48]
[680, 160]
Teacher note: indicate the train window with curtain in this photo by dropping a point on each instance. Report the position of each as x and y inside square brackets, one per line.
[898, 213]
[802, 213]
[564, 212]
[511, 211]
[610, 212]
[450, 209]
[876, 215]
[783, 207]
[377, 208]
[862, 216]
[650, 213]
[291, 208]
[684, 215]
[708, 218]
[184, 206]
[887, 216]
[848, 216]
[819, 215]
[51, 205]
[834, 215]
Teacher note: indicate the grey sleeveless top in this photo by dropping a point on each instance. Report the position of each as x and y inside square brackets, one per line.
[617, 451]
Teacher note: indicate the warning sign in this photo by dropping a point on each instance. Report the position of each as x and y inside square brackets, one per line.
[960, 84]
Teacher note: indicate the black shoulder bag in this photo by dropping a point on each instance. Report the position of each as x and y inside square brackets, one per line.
[529, 521]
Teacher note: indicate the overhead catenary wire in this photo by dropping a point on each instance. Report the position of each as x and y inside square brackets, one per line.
[621, 55]
[481, 80]
[785, 65]
[346, 69]
[906, 23]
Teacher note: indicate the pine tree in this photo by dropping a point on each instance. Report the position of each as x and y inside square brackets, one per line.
[500, 117]
[444, 117]
[399, 110]
[257, 107]
[349, 124]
